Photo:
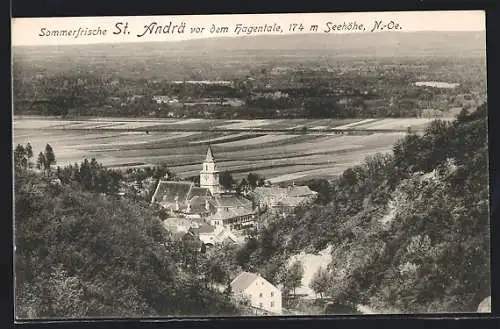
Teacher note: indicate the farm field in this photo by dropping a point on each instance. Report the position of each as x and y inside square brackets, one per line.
[280, 157]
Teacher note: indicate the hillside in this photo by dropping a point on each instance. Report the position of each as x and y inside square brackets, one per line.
[409, 231]
[81, 254]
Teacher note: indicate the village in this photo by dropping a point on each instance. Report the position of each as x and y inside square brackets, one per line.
[212, 214]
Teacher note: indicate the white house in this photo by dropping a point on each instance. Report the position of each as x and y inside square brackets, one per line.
[260, 292]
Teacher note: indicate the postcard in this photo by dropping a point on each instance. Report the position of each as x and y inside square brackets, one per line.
[250, 165]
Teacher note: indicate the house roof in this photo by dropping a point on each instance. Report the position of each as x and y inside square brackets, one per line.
[243, 281]
[203, 229]
[232, 201]
[292, 191]
[172, 224]
[227, 213]
[291, 201]
[225, 235]
[302, 190]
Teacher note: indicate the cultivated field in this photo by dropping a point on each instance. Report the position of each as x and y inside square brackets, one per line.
[121, 143]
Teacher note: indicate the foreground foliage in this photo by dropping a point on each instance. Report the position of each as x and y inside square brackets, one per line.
[409, 231]
[81, 253]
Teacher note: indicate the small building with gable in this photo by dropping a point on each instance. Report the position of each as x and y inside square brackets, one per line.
[283, 199]
[258, 291]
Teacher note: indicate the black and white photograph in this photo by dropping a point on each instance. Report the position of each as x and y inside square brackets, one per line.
[250, 165]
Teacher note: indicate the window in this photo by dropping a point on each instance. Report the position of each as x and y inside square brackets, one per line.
[272, 294]
[272, 304]
[260, 295]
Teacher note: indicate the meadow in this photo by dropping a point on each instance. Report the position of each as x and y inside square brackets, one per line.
[181, 144]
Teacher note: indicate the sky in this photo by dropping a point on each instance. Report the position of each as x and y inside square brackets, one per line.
[33, 31]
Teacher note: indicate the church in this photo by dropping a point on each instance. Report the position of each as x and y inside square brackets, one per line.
[208, 202]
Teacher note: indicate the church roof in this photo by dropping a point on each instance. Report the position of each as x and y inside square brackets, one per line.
[210, 155]
[170, 191]
[199, 192]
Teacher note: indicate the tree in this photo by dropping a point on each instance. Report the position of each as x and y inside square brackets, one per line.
[291, 277]
[319, 282]
[295, 275]
[226, 180]
[228, 291]
[40, 163]
[322, 186]
[28, 151]
[242, 186]
[50, 157]
[252, 180]
[19, 157]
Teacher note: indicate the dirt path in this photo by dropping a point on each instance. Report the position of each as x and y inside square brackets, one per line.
[311, 263]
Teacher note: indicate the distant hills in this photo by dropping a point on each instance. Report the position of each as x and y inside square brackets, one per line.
[382, 44]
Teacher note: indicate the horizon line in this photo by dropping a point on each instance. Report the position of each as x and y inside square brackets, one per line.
[241, 36]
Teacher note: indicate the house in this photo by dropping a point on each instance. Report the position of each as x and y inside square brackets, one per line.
[211, 235]
[260, 293]
[205, 232]
[233, 211]
[283, 199]
[177, 225]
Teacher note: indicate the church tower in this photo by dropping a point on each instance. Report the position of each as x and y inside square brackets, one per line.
[209, 175]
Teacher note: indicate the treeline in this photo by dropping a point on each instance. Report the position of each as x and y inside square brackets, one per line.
[88, 175]
[409, 230]
[319, 95]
